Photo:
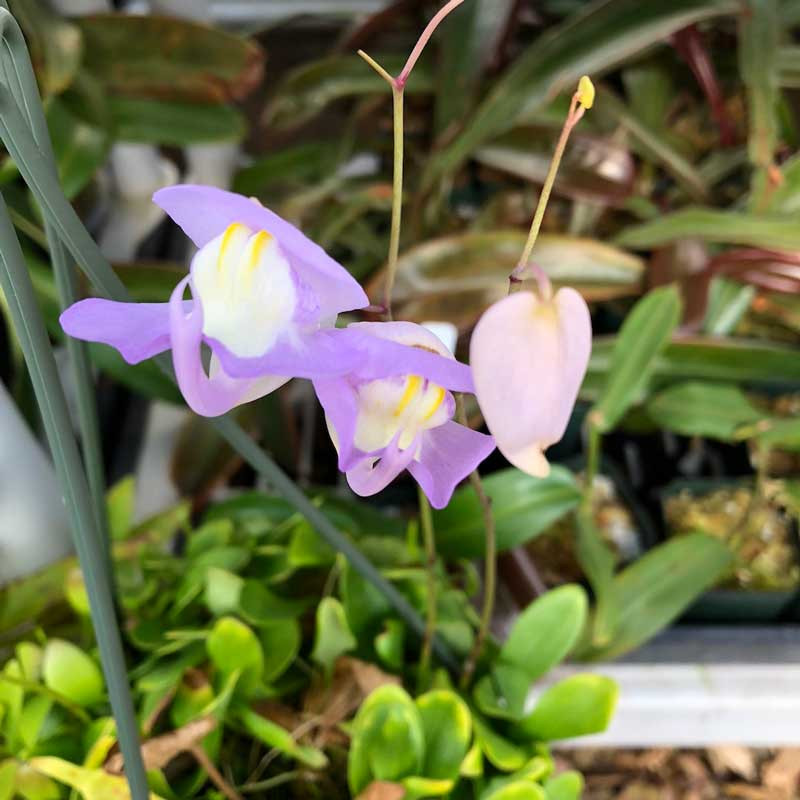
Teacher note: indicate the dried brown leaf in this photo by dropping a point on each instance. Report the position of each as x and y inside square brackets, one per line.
[160, 750]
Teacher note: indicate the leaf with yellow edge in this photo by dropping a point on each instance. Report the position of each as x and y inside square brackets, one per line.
[93, 784]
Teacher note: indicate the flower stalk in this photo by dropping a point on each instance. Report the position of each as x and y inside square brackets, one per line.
[426, 526]
[582, 99]
[398, 85]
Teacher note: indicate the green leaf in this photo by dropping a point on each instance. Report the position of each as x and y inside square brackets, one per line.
[705, 358]
[728, 302]
[417, 788]
[644, 334]
[467, 44]
[658, 587]
[540, 638]
[293, 165]
[66, 669]
[770, 231]
[576, 706]
[93, 784]
[365, 606]
[523, 507]
[32, 785]
[545, 632]
[80, 148]
[447, 727]
[694, 408]
[307, 548]
[169, 58]
[566, 786]
[55, 44]
[121, 502]
[390, 643]
[759, 37]
[597, 562]
[260, 606]
[515, 790]
[592, 41]
[281, 641]
[139, 119]
[387, 742]
[32, 720]
[274, 736]
[8, 775]
[223, 590]
[233, 647]
[504, 755]
[333, 636]
[311, 87]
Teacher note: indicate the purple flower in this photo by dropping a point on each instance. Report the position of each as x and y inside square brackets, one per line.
[264, 299]
[394, 412]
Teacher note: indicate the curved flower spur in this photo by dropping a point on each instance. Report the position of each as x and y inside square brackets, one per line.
[394, 411]
[264, 299]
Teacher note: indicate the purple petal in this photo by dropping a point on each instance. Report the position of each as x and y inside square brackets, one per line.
[384, 357]
[339, 400]
[449, 453]
[320, 354]
[204, 212]
[207, 396]
[369, 476]
[138, 330]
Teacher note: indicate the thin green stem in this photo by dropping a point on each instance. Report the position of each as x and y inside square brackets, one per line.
[398, 91]
[581, 100]
[397, 196]
[592, 462]
[573, 117]
[489, 564]
[26, 317]
[426, 525]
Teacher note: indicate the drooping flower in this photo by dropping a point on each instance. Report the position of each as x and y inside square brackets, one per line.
[394, 411]
[264, 299]
[529, 353]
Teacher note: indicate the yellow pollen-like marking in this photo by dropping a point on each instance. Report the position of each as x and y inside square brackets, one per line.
[259, 242]
[412, 387]
[440, 394]
[225, 244]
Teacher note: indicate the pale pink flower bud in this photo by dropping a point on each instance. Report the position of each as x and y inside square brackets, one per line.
[529, 353]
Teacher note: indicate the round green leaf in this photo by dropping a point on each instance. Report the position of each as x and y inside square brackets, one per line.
[232, 646]
[546, 631]
[566, 786]
[66, 669]
[447, 725]
[388, 742]
[333, 636]
[577, 706]
[281, 641]
[516, 790]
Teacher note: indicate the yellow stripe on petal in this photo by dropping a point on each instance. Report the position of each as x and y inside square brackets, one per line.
[413, 385]
[257, 245]
[225, 244]
[437, 402]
